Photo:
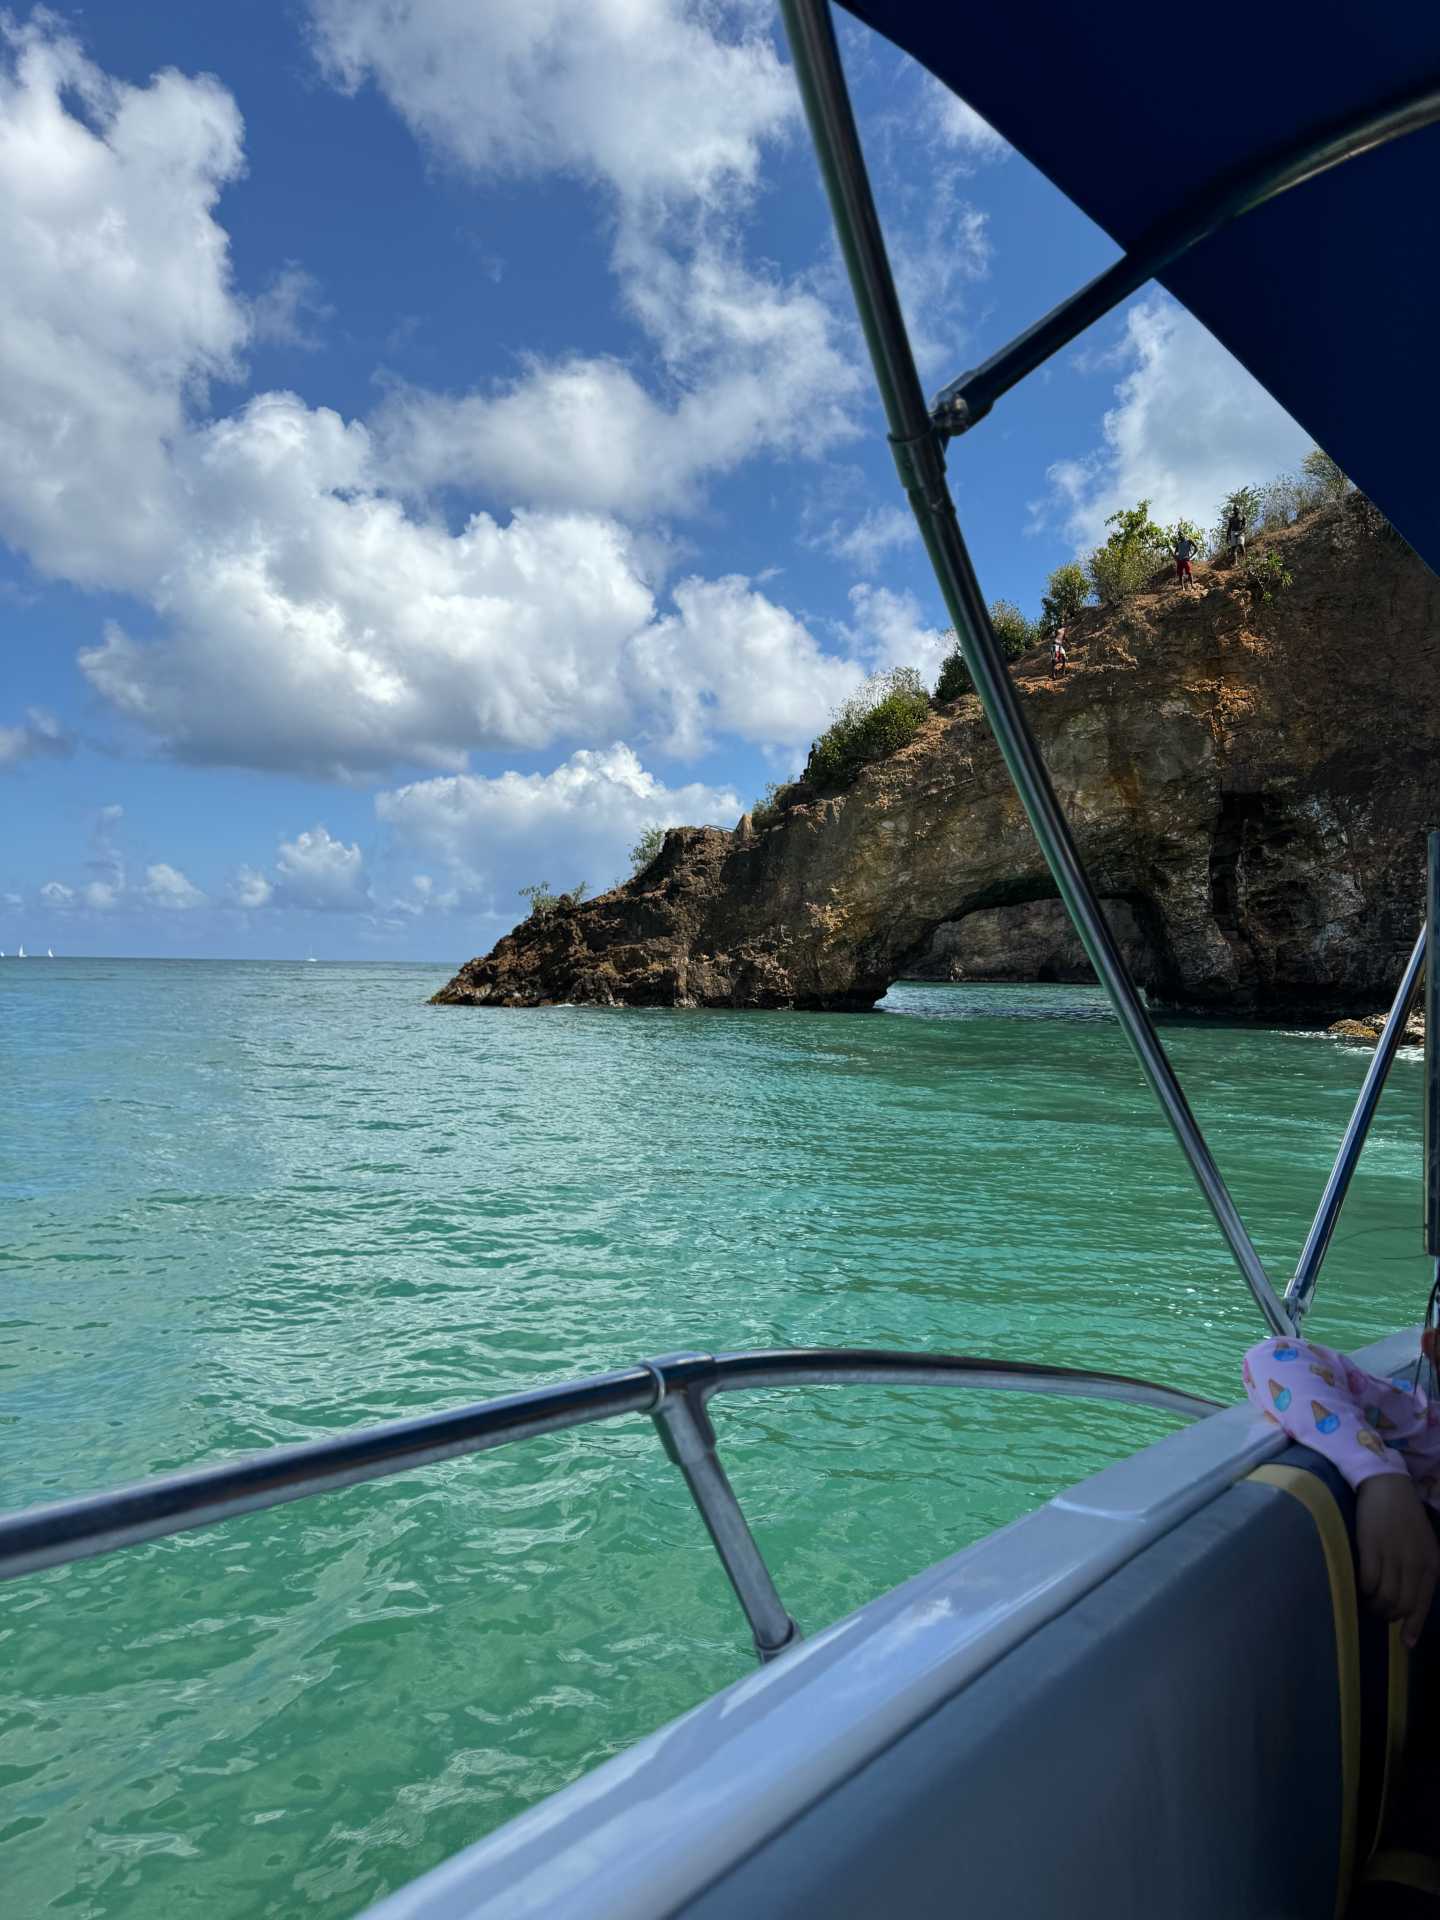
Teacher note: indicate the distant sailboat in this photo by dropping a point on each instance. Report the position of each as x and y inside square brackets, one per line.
[310, 960]
[49, 953]
[21, 954]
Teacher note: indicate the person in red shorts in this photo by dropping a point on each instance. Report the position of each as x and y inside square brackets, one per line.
[1184, 550]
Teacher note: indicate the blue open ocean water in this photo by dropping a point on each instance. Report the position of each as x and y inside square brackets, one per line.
[246, 1203]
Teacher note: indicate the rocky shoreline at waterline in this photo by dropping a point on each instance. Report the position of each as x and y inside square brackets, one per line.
[1366, 1029]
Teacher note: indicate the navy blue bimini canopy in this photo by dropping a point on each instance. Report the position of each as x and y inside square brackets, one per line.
[1330, 293]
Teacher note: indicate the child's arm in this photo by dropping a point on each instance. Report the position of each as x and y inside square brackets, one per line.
[1324, 1402]
[1399, 1557]
[1310, 1392]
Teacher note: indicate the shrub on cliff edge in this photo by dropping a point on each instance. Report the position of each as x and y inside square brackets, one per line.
[543, 902]
[1131, 555]
[954, 676]
[645, 849]
[768, 808]
[1066, 592]
[882, 717]
[1015, 633]
[1325, 481]
[1266, 574]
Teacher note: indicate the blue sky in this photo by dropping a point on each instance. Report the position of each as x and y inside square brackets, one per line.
[435, 445]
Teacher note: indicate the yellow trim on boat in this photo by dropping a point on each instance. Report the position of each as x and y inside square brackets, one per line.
[1398, 1868]
[1397, 1723]
[1324, 1510]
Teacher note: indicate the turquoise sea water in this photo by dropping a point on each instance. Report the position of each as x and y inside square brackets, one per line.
[251, 1203]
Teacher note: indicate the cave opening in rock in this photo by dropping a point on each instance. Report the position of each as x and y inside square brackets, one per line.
[1034, 941]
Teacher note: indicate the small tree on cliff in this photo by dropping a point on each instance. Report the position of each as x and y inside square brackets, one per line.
[645, 849]
[1015, 633]
[1132, 554]
[1242, 500]
[883, 716]
[954, 676]
[1066, 592]
[543, 902]
[768, 808]
[1325, 483]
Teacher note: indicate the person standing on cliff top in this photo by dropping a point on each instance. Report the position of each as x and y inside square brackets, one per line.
[1235, 536]
[1058, 657]
[1184, 549]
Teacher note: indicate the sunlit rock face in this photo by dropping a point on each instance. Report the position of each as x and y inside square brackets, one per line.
[1250, 785]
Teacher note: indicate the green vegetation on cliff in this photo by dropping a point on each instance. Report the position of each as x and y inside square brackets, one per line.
[544, 902]
[885, 715]
[889, 709]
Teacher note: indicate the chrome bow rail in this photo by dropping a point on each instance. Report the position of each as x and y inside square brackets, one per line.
[673, 1390]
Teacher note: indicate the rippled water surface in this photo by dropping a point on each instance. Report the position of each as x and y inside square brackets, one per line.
[245, 1204]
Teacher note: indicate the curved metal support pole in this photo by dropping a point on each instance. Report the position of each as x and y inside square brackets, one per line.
[967, 400]
[689, 1440]
[1301, 1290]
[920, 458]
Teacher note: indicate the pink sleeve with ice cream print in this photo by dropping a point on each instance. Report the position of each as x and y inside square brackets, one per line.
[1362, 1424]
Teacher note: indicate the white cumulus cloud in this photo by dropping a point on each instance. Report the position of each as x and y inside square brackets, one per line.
[575, 823]
[1189, 424]
[317, 871]
[754, 367]
[115, 301]
[308, 618]
[667, 109]
[250, 889]
[323, 628]
[728, 660]
[878, 531]
[166, 887]
[889, 631]
[646, 95]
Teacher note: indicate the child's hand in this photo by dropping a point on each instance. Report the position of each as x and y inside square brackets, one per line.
[1399, 1557]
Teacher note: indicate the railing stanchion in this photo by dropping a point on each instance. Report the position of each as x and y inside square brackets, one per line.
[1301, 1289]
[688, 1437]
[1432, 1051]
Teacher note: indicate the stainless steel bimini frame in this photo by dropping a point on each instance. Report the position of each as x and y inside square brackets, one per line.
[917, 438]
[675, 1391]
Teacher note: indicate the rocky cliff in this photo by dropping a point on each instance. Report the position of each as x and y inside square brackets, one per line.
[1250, 784]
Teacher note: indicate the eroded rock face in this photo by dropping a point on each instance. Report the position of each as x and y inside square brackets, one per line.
[1251, 783]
